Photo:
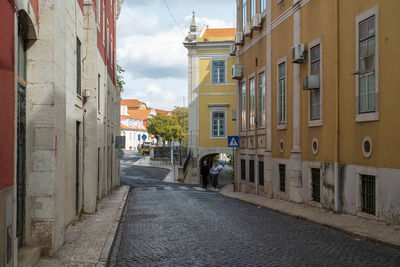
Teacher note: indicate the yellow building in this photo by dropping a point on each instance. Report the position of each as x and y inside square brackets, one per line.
[211, 95]
[317, 103]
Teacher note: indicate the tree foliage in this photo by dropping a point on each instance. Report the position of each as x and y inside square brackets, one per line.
[166, 127]
[182, 114]
[120, 77]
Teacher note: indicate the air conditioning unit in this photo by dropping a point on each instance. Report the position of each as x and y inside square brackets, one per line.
[247, 28]
[237, 71]
[239, 38]
[86, 92]
[256, 21]
[311, 82]
[298, 54]
[232, 49]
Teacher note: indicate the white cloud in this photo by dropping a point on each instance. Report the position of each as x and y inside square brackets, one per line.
[150, 49]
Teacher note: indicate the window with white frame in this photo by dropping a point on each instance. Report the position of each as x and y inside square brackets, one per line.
[104, 23]
[218, 71]
[112, 52]
[243, 107]
[366, 53]
[315, 95]
[108, 39]
[252, 8]
[263, 5]
[218, 123]
[282, 93]
[98, 9]
[244, 13]
[252, 104]
[261, 100]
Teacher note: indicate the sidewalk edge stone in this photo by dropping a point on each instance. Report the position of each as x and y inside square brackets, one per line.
[109, 245]
[360, 235]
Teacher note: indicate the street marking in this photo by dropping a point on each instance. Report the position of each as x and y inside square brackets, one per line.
[169, 188]
[183, 188]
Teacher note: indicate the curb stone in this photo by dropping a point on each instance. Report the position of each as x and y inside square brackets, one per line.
[109, 245]
[364, 236]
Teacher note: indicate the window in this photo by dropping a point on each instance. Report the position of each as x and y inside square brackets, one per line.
[244, 13]
[261, 100]
[104, 23]
[315, 184]
[111, 5]
[261, 172]
[366, 54]
[98, 8]
[282, 93]
[251, 167]
[263, 5]
[243, 169]
[368, 194]
[98, 92]
[243, 107]
[315, 95]
[252, 104]
[78, 68]
[111, 51]
[218, 123]
[252, 8]
[218, 71]
[282, 177]
[108, 40]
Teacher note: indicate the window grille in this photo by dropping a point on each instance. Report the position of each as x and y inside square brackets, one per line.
[316, 181]
[368, 194]
[243, 169]
[282, 177]
[251, 177]
[261, 172]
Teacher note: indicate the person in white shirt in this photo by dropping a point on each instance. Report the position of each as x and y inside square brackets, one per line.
[214, 174]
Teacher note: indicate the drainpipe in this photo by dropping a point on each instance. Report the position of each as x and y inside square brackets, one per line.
[337, 144]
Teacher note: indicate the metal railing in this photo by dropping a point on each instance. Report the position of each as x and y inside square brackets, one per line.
[187, 160]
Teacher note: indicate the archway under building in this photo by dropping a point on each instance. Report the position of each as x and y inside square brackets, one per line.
[226, 171]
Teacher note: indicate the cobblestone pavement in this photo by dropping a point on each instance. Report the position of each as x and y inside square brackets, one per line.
[180, 225]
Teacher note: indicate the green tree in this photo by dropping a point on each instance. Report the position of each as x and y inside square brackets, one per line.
[182, 114]
[164, 126]
[120, 77]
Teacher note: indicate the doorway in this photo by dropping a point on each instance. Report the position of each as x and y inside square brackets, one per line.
[21, 139]
[77, 169]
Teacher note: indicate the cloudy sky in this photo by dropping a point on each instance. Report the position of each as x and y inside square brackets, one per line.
[149, 46]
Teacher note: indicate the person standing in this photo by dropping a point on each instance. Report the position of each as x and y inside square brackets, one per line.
[214, 174]
[204, 172]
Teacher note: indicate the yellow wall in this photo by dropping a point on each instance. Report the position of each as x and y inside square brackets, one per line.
[206, 87]
[324, 13]
[385, 132]
[282, 43]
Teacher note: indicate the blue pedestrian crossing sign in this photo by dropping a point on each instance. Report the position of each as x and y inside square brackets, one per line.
[233, 141]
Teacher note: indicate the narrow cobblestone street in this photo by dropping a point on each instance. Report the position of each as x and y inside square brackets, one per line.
[170, 224]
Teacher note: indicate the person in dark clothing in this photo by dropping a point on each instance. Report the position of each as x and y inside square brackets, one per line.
[204, 172]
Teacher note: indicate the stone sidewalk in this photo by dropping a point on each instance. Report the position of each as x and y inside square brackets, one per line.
[373, 230]
[89, 241]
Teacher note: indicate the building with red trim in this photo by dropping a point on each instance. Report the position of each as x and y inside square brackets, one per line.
[59, 116]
